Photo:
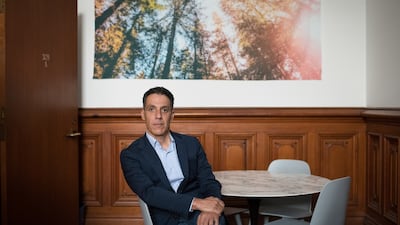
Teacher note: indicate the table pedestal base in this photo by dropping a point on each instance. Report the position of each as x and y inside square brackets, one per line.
[254, 204]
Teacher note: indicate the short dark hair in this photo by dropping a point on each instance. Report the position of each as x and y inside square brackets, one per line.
[160, 91]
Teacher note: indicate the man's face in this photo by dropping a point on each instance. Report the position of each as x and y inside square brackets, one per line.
[157, 114]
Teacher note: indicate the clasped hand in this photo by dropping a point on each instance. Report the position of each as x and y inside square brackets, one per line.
[211, 209]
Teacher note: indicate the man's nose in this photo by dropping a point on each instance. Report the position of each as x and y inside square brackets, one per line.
[158, 113]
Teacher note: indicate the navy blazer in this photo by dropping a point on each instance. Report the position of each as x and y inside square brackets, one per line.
[145, 175]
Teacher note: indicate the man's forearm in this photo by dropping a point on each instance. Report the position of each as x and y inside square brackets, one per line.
[210, 204]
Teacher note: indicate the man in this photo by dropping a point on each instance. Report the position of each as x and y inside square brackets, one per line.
[170, 171]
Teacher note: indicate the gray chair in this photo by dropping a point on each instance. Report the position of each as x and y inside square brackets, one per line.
[145, 212]
[287, 207]
[331, 205]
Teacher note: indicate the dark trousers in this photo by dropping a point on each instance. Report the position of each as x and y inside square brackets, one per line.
[192, 220]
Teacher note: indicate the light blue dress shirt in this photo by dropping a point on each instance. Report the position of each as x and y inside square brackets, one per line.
[169, 160]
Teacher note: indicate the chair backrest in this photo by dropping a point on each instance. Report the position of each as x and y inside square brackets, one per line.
[332, 203]
[145, 212]
[289, 166]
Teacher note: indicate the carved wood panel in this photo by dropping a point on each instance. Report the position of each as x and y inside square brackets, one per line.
[383, 127]
[122, 193]
[91, 169]
[338, 152]
[339, 159]
[390, 177]
[234, 151]
[374, 171]
[288, 146]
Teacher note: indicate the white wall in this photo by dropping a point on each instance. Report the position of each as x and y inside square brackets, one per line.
[343, 82]
[383, 53]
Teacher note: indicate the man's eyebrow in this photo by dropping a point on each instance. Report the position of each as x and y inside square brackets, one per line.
[161, 107]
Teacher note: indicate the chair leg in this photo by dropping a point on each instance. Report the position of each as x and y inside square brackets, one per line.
[238, 219]
[266, 219]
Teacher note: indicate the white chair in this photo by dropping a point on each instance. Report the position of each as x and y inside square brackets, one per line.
[287, 207]
[145, 212]
[228, 211]
[330, 208]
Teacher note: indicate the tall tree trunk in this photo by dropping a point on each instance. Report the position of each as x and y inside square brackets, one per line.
[170, 49]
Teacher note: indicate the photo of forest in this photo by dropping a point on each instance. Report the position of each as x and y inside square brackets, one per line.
[207, 39]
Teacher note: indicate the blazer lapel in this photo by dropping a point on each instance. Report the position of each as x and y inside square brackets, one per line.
[153, 159]
[182, 155]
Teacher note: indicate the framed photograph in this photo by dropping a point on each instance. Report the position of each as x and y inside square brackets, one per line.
[207, 39]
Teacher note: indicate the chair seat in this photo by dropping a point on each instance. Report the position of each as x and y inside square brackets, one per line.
[286, 211]
[288, 221]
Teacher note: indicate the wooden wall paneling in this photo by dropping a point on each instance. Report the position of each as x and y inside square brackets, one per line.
[121, 192]
[357, 210]
[374, 172]
[119, 205]
[260, 153]
[282, 138]
[91, 169]
[390, 177]
[338, 159]
[338, 152]
[235, 151]
[208, 145]
[313, 153]
[286, 146]
[342, 153]
[232, 139]
[383, 129]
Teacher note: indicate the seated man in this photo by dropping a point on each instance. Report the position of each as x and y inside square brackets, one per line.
[170, 171]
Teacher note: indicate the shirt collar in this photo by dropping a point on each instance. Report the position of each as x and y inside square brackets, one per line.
[154, 141]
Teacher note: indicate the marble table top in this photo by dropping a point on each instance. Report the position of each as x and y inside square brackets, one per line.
[261, 183]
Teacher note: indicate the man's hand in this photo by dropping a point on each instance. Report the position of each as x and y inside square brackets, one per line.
[209, 204]
[208, 218]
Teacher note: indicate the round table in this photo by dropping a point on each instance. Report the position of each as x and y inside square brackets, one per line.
[257, 184]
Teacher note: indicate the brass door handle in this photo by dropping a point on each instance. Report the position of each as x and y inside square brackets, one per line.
[74, 134]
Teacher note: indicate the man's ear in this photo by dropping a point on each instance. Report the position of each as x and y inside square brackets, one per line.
[142, 114]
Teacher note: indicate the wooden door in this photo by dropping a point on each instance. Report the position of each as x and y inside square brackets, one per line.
[2, 104]
[42, 177]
